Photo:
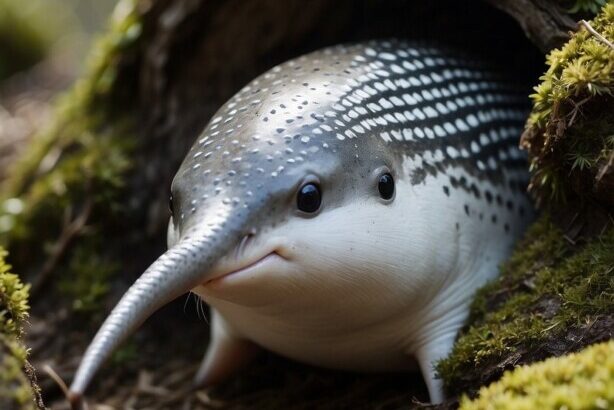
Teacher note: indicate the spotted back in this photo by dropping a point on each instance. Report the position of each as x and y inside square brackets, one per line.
[446, 114]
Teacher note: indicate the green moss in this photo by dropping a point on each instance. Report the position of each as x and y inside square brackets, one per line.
[18, 388]
[76, 169]
[570, 132]
[13, 300]
[15, 387]
[92, 283]
[545, 291]
[577, 381]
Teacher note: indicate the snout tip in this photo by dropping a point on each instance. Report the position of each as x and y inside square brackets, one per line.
[76, 400]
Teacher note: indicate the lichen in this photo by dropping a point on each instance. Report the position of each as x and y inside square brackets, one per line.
[548, 292]
[577, 381]
[76, 169]
[18, 389]
[570, 132]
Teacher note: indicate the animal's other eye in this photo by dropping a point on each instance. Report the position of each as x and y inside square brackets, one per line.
[309, 198]
[385, 186]
[170, 205]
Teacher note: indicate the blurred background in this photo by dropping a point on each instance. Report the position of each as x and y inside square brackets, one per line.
[43, 44]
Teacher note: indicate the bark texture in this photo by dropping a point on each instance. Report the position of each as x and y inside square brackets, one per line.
[545, 22]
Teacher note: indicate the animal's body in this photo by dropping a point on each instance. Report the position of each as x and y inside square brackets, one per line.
[341, 210]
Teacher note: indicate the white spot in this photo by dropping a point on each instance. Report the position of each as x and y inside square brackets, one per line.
[407, 134]
[374, 107]
[460, 124]
[439, 131]
[387, 56]
[397, 69]
[409, 99]
[350, 134]
[449, 128]
[419, 114]
[472, 120]
[441, 108]
[426, 80]
[385, 103]
[452, 152]
[380, 87]
[388, 117]
[430, 112]
[358, 128]
[396, 101]
[475, 147]
[409, 66]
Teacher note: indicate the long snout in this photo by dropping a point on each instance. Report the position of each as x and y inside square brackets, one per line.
[177, 271]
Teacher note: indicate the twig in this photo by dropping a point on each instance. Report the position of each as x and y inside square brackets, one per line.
[576, 109]
[70, 230]
[62, 385]
[56, 378]
[599, 37]
[605, 169]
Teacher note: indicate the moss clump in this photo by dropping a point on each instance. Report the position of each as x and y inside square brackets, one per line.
[18, 389]
[577, 381]
[72, 178]
[551, 298]
[13, 300]
[570, 132]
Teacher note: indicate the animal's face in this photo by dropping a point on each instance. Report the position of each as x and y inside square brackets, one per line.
[318, 218]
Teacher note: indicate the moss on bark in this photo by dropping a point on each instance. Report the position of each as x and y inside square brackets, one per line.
[18, 388]
[552, 297]
[72, 177]
[570, 132]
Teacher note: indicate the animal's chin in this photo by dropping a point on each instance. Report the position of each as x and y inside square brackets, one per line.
[250, 270]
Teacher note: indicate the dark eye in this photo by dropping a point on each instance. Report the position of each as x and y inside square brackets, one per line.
[309, 198]
[170, 205]
[385, 186]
